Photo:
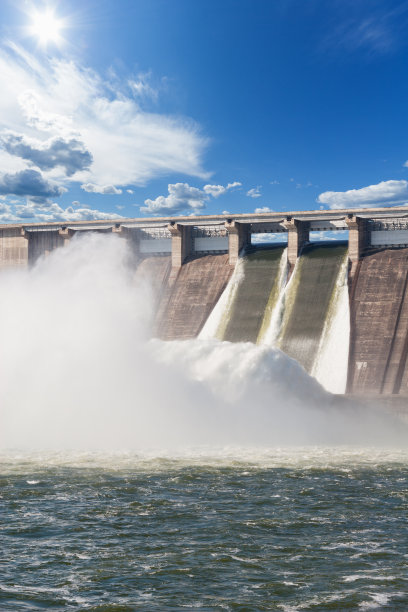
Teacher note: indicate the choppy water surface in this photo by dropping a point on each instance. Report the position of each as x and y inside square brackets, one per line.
[301, 529]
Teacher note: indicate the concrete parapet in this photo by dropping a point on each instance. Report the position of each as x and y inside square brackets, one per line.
[181, 243]
[298, 236]
[239, 236]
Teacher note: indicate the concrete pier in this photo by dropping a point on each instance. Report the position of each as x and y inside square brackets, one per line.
[181, 243]
[239, 236]
[298, 236]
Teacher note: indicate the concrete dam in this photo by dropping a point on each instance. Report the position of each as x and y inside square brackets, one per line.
[340, 308]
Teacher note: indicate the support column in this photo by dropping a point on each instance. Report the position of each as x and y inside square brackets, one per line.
[298, 236]
[132, 236]
[239, 236]
[66, 234]
[358, 240]
[358, 237]
[181, 243]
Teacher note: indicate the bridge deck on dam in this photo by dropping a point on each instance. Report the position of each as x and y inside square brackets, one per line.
[190, 295]
[261, 272]
[308, 298]
[379, 324]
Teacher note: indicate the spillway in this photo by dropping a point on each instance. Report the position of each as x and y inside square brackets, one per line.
[308, 300]
[379, 324]
[255, 294]
[190, 296]
[155, 271]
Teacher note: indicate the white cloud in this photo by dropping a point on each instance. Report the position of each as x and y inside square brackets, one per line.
[141, 87]
[268, 238]
[255, 192]
[69, 154]
[105, 189]
[59, 101]
[29, 183]
[275, 182]
[217, 190]
[183, 197]
[384, 193]
[317, 236]
[263, 209]
[30, 212]
[129, 191]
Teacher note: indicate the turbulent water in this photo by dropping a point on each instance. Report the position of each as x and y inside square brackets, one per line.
[138, 474]
[296, 529]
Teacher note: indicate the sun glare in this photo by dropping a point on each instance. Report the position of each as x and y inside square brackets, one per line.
[46, 27]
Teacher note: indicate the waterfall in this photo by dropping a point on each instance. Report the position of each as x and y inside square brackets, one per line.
[272, 323]
[217, 321]
[331, 363]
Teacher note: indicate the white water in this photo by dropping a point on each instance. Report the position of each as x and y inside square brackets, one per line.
[79, 371]
[331, 364]
[273, 332]
[218, 319]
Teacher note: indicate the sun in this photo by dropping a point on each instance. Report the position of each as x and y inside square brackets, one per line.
[46, 27]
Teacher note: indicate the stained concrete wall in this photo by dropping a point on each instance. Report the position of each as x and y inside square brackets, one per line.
[13, 248]
[379, 324]
[190, 295]
[42, 243]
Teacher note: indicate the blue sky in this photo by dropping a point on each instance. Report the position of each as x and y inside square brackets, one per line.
[167, 107]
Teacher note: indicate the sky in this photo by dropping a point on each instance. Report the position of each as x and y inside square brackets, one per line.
[138, 108]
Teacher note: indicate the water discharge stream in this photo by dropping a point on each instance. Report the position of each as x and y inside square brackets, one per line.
[79, 370]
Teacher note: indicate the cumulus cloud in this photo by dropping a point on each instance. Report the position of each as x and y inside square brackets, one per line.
[104, 189]
[29, 183]
[31, 212]
[264, 209]
[255, 192]
[71, 154]
[384, 193]
[76, 125]
[183, 197]
[217, 190]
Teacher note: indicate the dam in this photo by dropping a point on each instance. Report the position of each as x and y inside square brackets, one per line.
[339, 307]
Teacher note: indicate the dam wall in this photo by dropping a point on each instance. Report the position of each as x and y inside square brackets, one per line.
[379, 324]
[190, 295]
[13, 248]
[188, 263]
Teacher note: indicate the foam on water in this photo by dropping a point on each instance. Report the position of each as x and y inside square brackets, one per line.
[79, 370]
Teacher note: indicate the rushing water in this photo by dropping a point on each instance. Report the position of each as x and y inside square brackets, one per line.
[305, 529]
[289, 513]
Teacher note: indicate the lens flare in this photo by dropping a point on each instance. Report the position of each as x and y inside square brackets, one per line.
[46, 27]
